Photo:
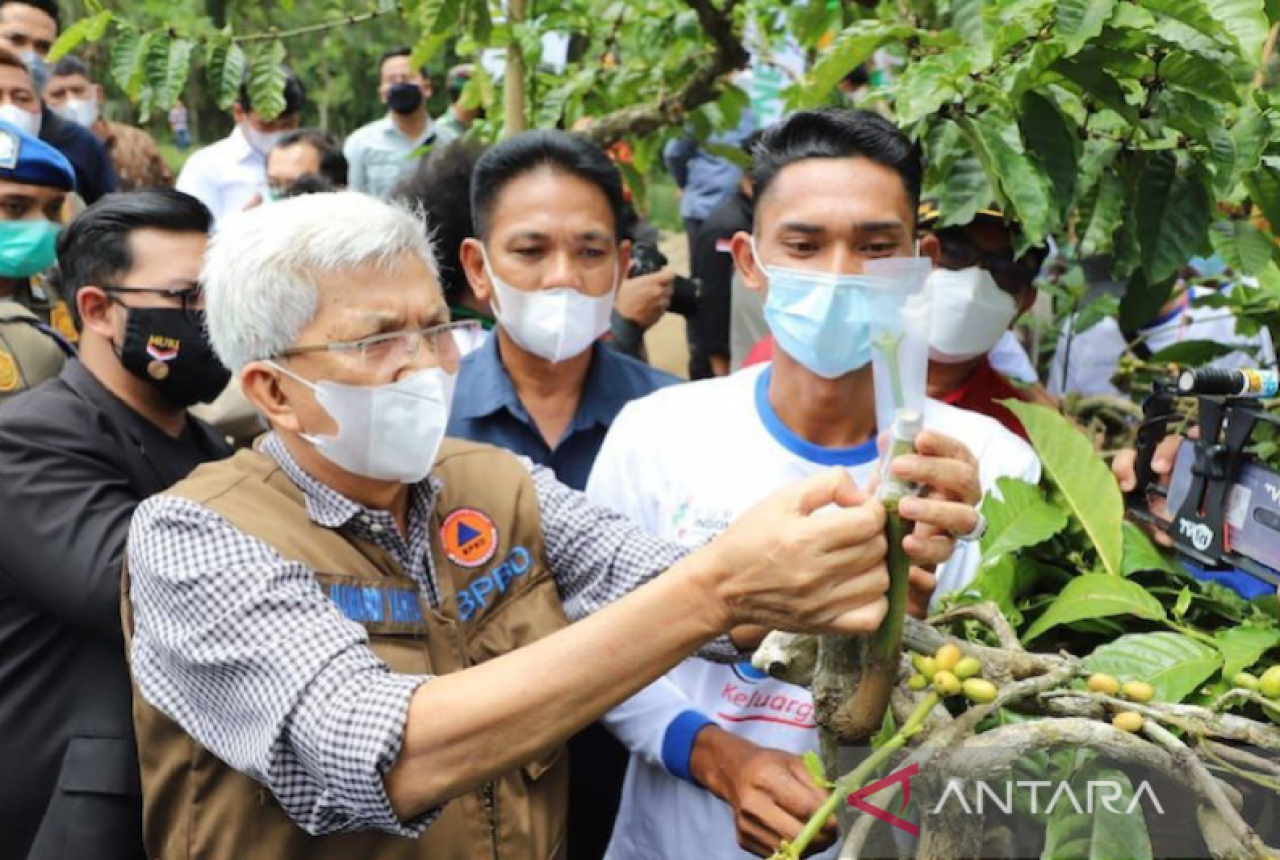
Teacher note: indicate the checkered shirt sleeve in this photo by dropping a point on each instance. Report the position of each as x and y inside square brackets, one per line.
[598, 555]
[242, 649]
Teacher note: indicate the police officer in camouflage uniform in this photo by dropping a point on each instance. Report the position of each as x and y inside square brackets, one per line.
[36, 329]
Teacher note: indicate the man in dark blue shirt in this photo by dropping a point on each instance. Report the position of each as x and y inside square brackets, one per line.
[94, 174]
[547, 256]
[487, 408]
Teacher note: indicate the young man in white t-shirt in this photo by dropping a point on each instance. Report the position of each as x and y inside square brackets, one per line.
[715, 748]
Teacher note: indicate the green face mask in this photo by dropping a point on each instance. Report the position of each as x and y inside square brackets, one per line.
[26, 247]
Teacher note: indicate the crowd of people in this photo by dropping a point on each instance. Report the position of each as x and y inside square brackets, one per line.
[344, 515]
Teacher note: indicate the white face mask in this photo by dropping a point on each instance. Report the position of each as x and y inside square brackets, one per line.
[970, 314]
[262, 142]
[554, 324]
[385, 432]
[24, 120]
[81, 111]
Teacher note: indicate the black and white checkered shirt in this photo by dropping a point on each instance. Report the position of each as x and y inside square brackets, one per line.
[241, 647]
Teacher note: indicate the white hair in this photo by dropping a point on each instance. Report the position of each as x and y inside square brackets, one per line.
[260, 271]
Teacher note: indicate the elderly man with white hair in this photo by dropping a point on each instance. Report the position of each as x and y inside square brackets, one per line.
[356, 632]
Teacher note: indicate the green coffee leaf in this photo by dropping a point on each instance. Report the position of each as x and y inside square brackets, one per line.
[267, 80]
[1193, 13]
[1017, 518]
[929, 83]
[963, 189]
[1246, 22]
[1080, 475]
[1097, 595]
[1021, 182]
[1053, 143]
[127, 58]
[1264, 189]
[225, 69]
[89, 29]
[969, 19]
[438, 16]
[1245, 248]
[1174, 210]
[1176, 665]
[1183, 603]
[1099, 85]
[850, 48]
[1241, 647]
[1139, 552]
[481, 22]
[1079, 21]
[1198, 75]
[1108, 207]
[1100, 831]
[168, 64]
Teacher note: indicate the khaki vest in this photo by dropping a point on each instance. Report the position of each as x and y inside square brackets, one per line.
[495, 596]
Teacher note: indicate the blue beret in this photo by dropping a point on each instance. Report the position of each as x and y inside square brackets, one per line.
[31, 161]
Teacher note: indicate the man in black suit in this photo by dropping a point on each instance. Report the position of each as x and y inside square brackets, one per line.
[77, 455]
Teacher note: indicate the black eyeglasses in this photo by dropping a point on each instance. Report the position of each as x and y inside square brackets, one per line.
[1013, 276]
[190, 297]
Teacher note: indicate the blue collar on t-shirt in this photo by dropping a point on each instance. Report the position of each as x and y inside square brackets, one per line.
[857, 455]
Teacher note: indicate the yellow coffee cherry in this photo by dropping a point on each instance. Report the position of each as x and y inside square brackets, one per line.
[1100, 683]
[924, 665]
[968, 667]
[948, 656]
[1127, 721]
[980, 690]
[946, 683]
[917, 682]
[1245, 680]
[1269, 683]
[1138, 691]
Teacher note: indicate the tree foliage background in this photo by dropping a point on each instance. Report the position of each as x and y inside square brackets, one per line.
[1147, 132]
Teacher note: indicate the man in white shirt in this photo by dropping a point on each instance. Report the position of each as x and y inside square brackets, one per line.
[1084, 362]
[715, 749]
[378, 153]
[229, 175]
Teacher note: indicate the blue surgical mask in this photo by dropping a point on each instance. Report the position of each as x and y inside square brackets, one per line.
[826, 320]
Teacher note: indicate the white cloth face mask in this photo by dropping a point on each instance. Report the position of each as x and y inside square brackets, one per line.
[80, 111]
[554, 324]
[25, 120]
[262, 142]
[970, 314]
[386, 432]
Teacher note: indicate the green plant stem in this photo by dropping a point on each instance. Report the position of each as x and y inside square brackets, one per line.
[887, 643]
[855, 779]
[888, 344]
[863, 711]
[1193, 633]
[357, 18]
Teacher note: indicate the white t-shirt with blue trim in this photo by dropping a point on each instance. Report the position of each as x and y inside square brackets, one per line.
[684, 462]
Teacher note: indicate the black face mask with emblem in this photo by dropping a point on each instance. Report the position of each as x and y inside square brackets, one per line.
[167, 348]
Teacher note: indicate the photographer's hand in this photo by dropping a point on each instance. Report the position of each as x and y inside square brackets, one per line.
[645, 299]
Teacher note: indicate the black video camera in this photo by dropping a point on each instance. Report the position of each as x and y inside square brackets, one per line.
[685, 292]
[1223, 503]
